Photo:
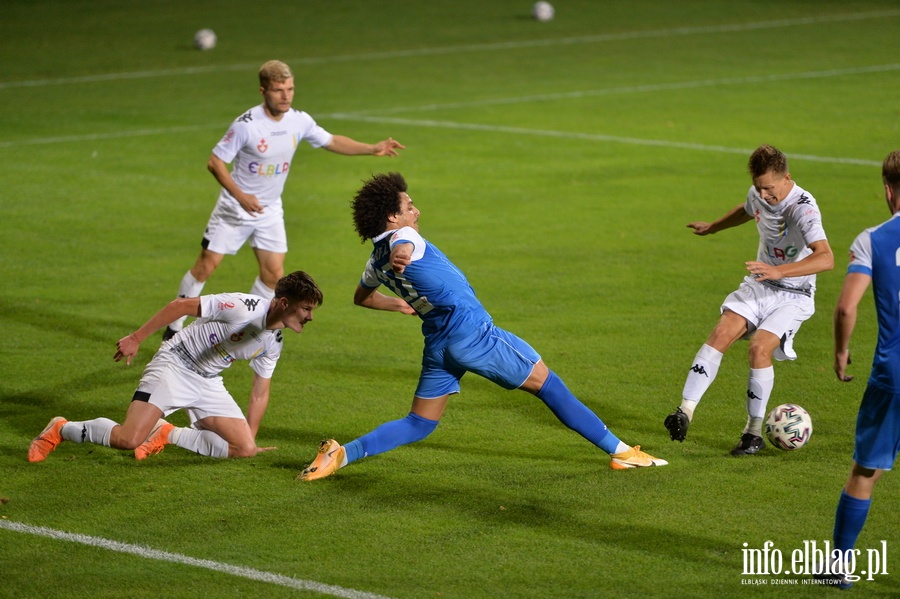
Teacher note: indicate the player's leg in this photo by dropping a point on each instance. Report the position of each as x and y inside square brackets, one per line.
[760, 383]
[436, 384]
[225, 234]
[139, 420]
[271, 269]
[269, 243]
[704, 369]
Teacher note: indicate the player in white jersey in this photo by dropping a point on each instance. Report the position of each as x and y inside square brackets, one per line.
[772, 302]
[185, 374]
[260, 145]
[875, 260]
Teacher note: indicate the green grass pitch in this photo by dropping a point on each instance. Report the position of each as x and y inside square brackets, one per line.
[557, 164]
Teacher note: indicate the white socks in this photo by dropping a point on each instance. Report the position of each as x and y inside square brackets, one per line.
[205, 443]
[759, 389]
[261, 289]
[189, 287]
[700, 377]
[96, 431]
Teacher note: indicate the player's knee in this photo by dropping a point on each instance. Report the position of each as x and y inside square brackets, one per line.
[420, 427]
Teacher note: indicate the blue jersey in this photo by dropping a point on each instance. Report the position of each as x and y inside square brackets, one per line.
[432, 285]
[876, 253]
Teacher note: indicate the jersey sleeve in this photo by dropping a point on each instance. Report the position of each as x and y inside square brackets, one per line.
[223, 307]
[861, 254]
[264, 364]
[409, 235]
[237, 136]
[315, 135]
[809, 219]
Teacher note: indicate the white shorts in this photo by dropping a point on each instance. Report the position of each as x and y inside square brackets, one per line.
[230, 226]
[170, 386]
[778, 312]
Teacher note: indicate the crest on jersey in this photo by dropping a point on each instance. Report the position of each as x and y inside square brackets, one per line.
[262, 146]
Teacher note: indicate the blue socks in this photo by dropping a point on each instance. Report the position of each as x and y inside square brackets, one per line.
[575, 414]
[849, 520]
[389, 435]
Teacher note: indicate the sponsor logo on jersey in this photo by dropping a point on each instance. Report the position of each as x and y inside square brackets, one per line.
[228, 136]
[245, 118]
[236, 337]
[783, 254]
[268, 170]
[262, 146]
[250, 303]
[216, 345]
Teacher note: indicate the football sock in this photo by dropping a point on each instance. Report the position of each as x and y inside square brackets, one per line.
[96, 431]
[759, 389]
[849, 520]
[261, 289]
[701, 375]
[189, 287]
[205, 443]
[576, 415]
[389, 435]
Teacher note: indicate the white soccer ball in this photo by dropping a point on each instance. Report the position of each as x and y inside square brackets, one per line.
[542, 11]
[205, 39]
[789, 427]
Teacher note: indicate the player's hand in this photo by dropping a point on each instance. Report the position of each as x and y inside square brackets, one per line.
[399, 262]
[762, 271]
[388, 148]
[406, 308]
[127, 348]
[700, 228]
[841, 361]
[250, 203]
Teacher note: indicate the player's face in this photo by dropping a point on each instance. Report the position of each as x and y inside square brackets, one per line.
[773, 187]
[408, 215]
[296, 315]
[278, 97]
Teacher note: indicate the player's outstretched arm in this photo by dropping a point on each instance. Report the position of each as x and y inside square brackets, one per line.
[127, 347]
[733, 218]
[375, 300]
[341, 144]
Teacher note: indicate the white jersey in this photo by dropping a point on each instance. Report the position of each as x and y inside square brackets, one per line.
[262, 150]
[785, 232]
[232, 327]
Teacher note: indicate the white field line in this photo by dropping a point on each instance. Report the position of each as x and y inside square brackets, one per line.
[148, 553]
[499, 46]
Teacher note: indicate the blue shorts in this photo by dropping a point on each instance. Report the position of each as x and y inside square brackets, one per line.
[493, 353]
[878, 429]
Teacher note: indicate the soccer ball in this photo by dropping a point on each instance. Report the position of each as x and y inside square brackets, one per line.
[542, 11]
[205, 39]
[788, 427]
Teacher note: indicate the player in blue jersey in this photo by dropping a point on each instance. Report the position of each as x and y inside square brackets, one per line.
[874, 258]
[775, 298]
[460, 336]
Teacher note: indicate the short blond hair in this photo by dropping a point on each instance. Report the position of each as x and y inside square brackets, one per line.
[274, 70]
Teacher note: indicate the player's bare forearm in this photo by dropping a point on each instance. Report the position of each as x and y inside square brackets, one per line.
[341, 144]
[375, 300]
[250, 203]
[127, 347]
[733, 218]
[820, 260]
[845, 312]
[259, 402]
